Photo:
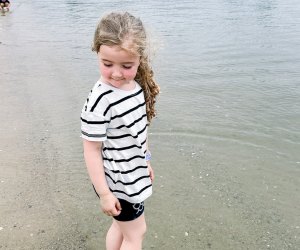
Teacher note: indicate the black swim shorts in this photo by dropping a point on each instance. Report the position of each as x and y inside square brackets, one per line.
[130, 211]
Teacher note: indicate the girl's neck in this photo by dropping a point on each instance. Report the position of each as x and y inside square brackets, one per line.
[125, 87]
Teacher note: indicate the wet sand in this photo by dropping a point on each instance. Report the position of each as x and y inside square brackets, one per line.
[200, 201]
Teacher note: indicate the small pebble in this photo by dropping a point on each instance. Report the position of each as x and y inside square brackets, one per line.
[172, 236]
[186, 234]
[1, 228]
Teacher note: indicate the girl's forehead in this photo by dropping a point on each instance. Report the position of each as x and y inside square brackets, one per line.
[116, 53]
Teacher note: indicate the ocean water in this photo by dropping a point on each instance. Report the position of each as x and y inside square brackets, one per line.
[228, 70]
[229, 105]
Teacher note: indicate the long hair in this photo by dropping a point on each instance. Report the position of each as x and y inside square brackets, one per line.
[128, 32]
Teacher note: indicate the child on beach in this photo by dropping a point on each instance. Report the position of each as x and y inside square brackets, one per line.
[114, 123]
[4, 5]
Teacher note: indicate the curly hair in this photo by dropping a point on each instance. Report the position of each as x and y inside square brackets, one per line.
[128, 32]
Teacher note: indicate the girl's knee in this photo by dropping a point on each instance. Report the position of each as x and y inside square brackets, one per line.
[134, 230]
[137, 234]
[143, 230]
[142, 226]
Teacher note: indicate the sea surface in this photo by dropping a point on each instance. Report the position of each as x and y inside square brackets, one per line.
[229, 107]
[228, 70]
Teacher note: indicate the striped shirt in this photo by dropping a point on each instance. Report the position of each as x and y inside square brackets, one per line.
[118, 119]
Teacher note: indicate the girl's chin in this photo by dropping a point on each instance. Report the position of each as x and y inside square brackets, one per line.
[117, 83]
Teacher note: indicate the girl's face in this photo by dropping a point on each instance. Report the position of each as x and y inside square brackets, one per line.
[117, 66]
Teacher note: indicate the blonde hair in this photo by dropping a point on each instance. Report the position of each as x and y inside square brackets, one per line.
[128, 32]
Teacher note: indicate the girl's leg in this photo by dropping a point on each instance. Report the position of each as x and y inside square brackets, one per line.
[114, 237]
[133, 233]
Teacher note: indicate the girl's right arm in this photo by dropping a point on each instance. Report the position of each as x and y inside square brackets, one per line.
[94, 162]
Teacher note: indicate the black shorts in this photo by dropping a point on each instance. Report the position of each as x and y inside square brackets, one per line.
[130, 211]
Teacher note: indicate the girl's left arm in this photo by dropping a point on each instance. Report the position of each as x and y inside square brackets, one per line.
[151, 172]
[150, 169]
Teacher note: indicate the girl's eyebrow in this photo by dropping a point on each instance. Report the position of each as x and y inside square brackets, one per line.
[112, 62]
[105, 60]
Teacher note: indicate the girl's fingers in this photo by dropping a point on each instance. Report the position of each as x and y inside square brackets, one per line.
[151, 173]
[109, 213]
[110, 205]
[118, 206]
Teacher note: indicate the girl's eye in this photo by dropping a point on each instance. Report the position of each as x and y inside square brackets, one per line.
[127, 66]
[107, 65]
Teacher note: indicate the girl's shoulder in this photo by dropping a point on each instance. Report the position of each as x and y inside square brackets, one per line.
[98, 97]
[111, 94]
[100, 90]
[98, 87]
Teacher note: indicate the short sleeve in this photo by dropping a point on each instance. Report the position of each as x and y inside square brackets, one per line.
[93, 122]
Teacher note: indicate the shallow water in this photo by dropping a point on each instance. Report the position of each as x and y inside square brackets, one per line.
[227, 137]
[228, 70]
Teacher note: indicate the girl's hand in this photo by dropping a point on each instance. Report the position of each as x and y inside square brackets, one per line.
[151, 172]
[110, 204]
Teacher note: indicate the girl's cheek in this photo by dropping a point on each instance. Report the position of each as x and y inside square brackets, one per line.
[130, 73]
[104, 70]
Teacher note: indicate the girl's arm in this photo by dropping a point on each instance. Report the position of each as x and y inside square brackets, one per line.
[151, 172]
[94, 162]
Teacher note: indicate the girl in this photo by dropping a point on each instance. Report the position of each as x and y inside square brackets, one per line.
[114, 124]
[4, 5]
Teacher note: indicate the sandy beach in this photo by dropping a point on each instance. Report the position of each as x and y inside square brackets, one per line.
[201, 199]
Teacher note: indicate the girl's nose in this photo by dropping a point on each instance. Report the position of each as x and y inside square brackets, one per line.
[117, 73]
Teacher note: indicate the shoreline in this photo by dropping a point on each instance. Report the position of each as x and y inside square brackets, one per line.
[208, 193]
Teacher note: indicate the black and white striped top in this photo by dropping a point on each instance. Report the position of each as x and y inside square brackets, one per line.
[118, 119]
